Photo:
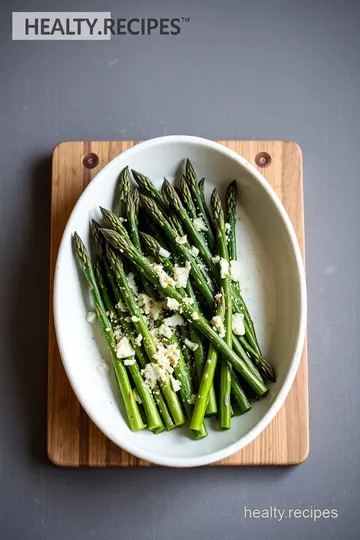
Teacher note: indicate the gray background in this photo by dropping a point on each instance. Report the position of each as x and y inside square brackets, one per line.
[253, 69]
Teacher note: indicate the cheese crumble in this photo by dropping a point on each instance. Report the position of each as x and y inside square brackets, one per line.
[132, 284]
[124, 348]
[218, 325]
[181, 275]
[199, 224]
[172, 304]
[181, 239]
[238, 326]
[164, 278]
[191, 345]
[164, 253]
[138, 340]
[224, 268]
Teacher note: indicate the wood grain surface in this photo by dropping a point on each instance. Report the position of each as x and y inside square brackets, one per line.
[72, 438]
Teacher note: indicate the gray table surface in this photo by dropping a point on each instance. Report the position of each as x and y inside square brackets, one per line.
[239, 70]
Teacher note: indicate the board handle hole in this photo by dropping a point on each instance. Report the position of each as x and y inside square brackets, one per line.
[90, 161]
[263, 159]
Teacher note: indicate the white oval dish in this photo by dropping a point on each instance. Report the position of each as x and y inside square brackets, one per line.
[273, 282]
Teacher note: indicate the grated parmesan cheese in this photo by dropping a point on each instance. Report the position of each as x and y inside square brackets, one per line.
[132, 283]
[121, 306]
[165, 330]
[144, 302]
[156, 309]
[194, 251]
[164, 278]
[172, 304]
[149, 306]
[174, 320]
[218, 325]
[195, 316]
[164, 253]
[224, 268]
[181, 239]
[187, 300]
[227, 227]
[134, 318]
[129, 362]
[216, 259]
[191, 345]
[199, 224]
[238, 326]
[218, 297]
[124, 348]
[138, 340]
[176, 385]
[151, 374]
[167, 358]
[181, 275]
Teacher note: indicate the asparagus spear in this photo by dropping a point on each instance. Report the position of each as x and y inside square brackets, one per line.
[183, 376]
[184, 250]
[238, 394]
[113, 222]
[148, 187]
[201, 185]
[253, 346]
[124, 190]
[206, 381]
[230, 200]
[153, 419]
[189, 311]
[153, 248]
[196, 236]
[141, 327]
[187, 198]
[132, 218]
[191, 179]
[99, 271]
[132, 410]
[136, 200]
[126, 326]
[225, 282]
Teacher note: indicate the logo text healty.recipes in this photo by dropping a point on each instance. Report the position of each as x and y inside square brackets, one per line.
[65, 25]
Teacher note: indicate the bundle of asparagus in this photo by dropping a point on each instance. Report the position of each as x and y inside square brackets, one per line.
[168, 301]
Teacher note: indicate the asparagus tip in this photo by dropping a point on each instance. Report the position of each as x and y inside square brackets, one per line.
[269, 372]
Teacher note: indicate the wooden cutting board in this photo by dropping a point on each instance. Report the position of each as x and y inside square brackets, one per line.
[72, 438]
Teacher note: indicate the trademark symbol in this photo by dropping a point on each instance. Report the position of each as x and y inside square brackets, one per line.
[185, 19]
